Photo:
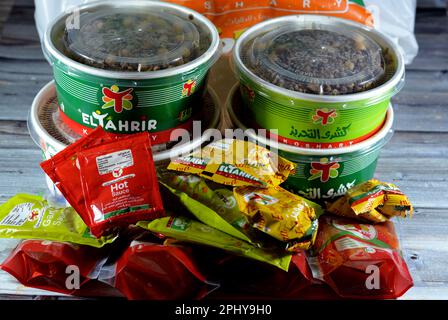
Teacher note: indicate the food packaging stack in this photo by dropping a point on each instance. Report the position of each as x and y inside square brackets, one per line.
[321, 86]
[134, 67]
[291, 213]
[123, 69]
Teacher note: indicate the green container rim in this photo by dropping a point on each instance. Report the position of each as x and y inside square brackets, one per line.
[376, 141]
[208, 58]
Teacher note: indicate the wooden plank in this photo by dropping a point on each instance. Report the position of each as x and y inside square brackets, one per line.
[24, 71]
[431, 3]
[22, 52]
[433, 53]
[420, 118]
[20, 32]
[431, 22]
[5, 9]
[24, 3]
[426, 81]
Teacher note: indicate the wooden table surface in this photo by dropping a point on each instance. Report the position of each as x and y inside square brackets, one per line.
[416, 159]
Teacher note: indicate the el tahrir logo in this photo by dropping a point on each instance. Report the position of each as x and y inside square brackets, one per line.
[324, 116]
[188, 88]
[324, 170]
[119, 100]
[34, 214]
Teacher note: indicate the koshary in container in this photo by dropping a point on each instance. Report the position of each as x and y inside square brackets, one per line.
[322, 82]
[131, 66]
[50, 133]
[321, 174]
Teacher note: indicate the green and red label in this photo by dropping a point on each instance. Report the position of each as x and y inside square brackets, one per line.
[127, 106]
[325, 179]
[309, 124]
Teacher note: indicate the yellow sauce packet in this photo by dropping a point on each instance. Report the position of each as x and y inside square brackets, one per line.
[281, 214]
[372, 201]
[236, 163]
[210, 203]
[27, 216]
[185, 229]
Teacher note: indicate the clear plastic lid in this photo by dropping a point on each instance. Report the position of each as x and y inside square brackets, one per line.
[315, 58]
[135, 38]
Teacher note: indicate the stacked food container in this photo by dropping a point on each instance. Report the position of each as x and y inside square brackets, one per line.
[128, 67]
[321, 87]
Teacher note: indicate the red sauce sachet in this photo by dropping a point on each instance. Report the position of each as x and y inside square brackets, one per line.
[63, 169]
[119, 183]
[109, 180]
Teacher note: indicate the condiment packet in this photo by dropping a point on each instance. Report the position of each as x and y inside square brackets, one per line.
[372, 201]
[27, 216]
[281, 214]
[361, 261]
[119, 183]
[184, 229]
[63, 168]
[108, 179]
[236, 163]
[210, 203]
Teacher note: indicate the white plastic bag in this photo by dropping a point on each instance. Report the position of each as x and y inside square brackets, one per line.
[396, 19]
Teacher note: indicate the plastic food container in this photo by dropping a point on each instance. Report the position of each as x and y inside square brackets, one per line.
[131, 66]
[50, 133]
[322, 82]
[321, 174]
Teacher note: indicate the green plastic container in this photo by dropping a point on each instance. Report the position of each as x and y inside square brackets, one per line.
[335, 103]
[321, 174]
[131, 66]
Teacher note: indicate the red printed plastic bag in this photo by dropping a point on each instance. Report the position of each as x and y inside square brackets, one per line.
[361, 261]
[63, 168]
[119, 183]
[231, 17]
[148, 271]
[251, 279]
[54, 266]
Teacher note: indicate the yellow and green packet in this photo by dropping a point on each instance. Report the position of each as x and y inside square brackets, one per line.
[185, 229]
[281, 214]
[372, 201]
[210, 203]
[236, 163]
[26, 216]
